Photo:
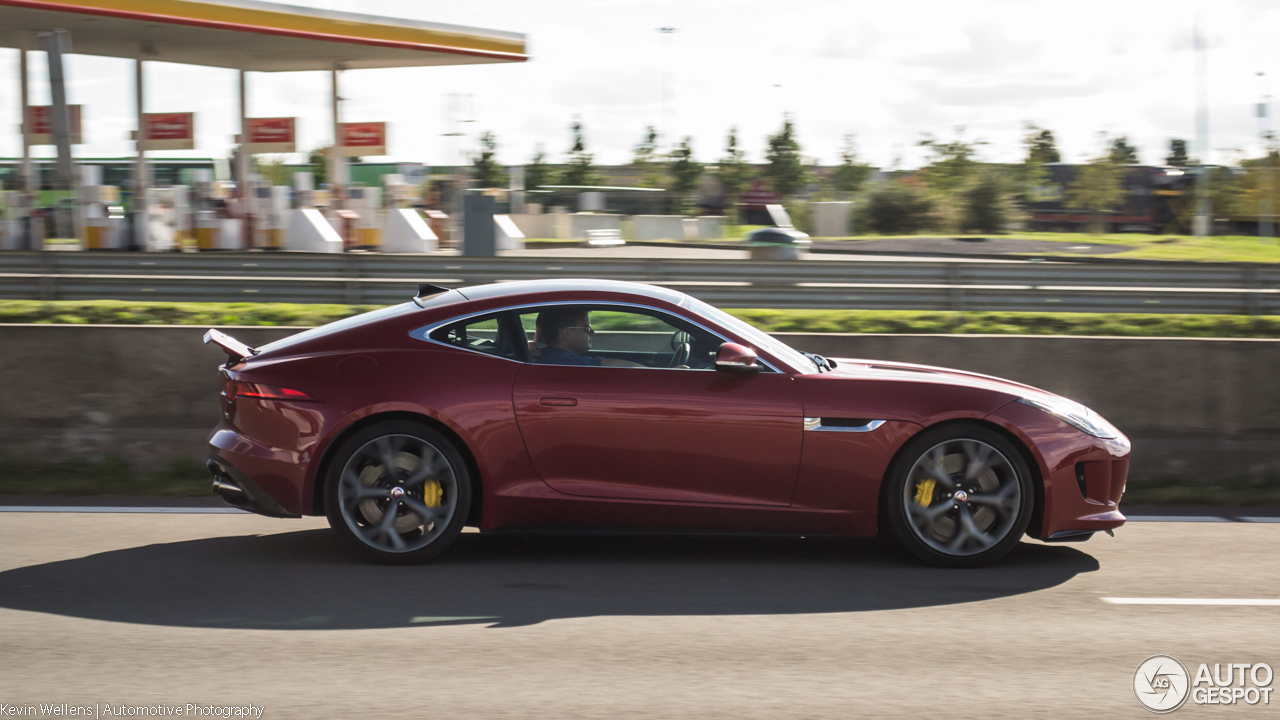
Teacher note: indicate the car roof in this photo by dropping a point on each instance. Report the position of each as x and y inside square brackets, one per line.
[538, 287]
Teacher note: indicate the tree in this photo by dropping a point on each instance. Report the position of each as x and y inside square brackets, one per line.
[986, 206]
[488, 173]
[733, 172]
[952, 163]
[538, 173]
[1042, 149]
[273, 169]
[579, 170]
[850, 174]
[1121, 152]
[318, 159]
[647, 162]
[785, 169]
[1041, 146]
[1098, 188]
[1177, 153]
[686, 171]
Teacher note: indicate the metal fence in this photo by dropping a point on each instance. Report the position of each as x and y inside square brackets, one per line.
[860, 284]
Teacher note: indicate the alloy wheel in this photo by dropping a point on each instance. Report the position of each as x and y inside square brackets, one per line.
[397, 493]
[962, 497]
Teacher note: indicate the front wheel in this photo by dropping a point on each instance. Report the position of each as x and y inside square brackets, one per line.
[398, 492]
[960, 496]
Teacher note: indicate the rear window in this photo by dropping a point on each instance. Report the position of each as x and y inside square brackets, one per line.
[492, 335]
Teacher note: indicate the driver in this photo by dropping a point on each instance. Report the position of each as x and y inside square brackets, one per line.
[567, 332]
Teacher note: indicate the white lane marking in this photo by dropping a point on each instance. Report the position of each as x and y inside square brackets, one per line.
[1190, 601]
[1200, 518]
[1176, 518]
[105, 509]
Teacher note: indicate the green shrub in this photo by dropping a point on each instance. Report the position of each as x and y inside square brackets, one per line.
[896, 208]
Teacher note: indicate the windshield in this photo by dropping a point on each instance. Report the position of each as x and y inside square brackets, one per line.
[760, 340]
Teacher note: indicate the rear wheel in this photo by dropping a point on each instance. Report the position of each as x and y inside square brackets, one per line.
[398, 492]
[960, 496]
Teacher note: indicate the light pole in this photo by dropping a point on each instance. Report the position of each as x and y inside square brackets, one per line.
[665, 32]
[1202, 224]
[1266, 188]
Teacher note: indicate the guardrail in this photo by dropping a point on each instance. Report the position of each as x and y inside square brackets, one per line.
[860, 284]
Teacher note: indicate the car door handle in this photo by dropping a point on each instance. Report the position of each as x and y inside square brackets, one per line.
[559, 401]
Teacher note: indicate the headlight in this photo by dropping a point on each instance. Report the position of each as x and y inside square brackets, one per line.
[1075, 415]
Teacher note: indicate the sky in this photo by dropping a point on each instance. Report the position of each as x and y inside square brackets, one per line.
[886, 73]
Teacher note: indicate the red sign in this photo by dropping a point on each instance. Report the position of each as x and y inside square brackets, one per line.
[41, 120]
[169, 131]
[272, 135]
[758, 196]
[367, 138]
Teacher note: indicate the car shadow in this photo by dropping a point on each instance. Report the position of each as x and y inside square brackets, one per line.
[309, 580]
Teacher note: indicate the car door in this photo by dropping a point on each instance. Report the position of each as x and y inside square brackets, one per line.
[655, 433]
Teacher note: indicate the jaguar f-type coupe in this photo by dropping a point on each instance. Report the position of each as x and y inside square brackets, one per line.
[599, 403]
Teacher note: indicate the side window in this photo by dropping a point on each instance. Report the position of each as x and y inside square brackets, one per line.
[489, 335]
[613, 335]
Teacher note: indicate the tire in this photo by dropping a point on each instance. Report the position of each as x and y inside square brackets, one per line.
[428, 488]
[959, 496]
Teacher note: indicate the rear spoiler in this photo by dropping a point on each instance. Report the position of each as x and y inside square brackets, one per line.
[233, 347]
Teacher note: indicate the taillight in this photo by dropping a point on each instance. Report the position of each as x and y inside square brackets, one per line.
[236, 388]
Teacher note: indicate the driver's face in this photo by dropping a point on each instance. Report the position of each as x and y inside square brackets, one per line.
[577, 339]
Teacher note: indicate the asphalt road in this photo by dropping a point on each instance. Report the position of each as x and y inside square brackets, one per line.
[235, 609]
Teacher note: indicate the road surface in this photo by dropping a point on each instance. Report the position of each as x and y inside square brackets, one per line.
[218, 609]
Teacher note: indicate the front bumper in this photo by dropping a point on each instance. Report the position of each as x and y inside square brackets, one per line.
[1083, 476]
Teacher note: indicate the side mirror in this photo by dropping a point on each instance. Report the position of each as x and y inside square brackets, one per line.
[735, 358]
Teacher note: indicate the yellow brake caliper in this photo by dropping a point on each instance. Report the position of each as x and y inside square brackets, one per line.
[432, 493]
[924, 492]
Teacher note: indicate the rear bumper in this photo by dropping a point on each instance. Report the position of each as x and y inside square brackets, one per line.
[239, 491]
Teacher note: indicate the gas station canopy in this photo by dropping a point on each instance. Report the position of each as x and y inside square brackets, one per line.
[254, 36]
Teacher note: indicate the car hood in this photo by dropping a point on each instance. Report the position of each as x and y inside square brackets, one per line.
[911, 372]
[924, 394]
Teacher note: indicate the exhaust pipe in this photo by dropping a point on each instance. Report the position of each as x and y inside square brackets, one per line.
[227, 489]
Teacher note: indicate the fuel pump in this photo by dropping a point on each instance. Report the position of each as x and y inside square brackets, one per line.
[102, 231]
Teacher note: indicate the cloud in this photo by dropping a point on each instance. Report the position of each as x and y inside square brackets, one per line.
[989, 51]
[1184, 41]
[840, 44]
[638, 86]
[1007, 93]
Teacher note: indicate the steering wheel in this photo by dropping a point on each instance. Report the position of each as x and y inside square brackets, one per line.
[680, 343]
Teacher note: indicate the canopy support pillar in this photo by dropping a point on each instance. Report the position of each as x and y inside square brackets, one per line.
[27, 173]
[337, 162]
[242, 169]
[140, 179]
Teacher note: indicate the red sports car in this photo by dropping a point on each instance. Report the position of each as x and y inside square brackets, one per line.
[598, 403]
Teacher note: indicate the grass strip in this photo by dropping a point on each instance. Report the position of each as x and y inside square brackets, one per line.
[78, 477]
[1239, 491]
[118, 312]
[1217, 248]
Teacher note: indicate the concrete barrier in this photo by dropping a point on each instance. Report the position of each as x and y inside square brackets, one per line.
[657, 227]
[533, 225]
[580, 223]
[1195, 408]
